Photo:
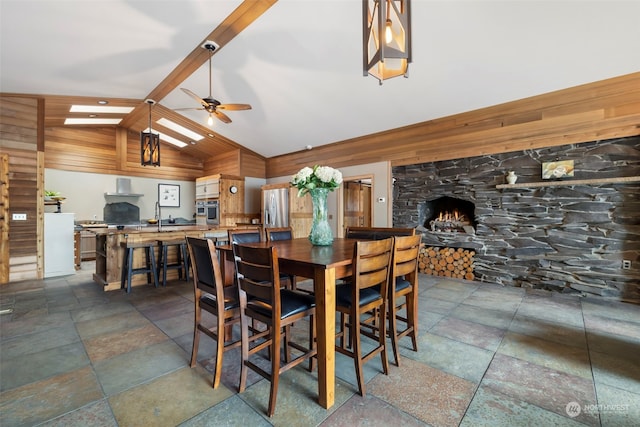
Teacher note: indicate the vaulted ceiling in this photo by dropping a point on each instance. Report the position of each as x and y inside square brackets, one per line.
[299, 62]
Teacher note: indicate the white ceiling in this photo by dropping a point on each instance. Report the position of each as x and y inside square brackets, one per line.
[300, 64]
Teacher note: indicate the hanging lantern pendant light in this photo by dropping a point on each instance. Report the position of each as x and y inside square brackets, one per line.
[149, 143]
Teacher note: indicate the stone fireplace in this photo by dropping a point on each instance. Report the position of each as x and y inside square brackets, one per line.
[449, 214]
[569, 238]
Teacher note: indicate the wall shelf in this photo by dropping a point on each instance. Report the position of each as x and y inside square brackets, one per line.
[568, 182]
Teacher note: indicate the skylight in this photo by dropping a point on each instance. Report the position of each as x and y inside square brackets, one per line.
[180, 129]
[92, 121]
[99, 109]
[167, 138]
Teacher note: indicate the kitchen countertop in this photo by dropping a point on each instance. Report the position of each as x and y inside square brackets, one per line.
[133, 229]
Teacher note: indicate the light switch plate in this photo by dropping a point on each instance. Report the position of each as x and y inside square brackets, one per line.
[19, 217]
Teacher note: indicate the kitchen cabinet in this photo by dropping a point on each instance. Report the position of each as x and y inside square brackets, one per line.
[208, 187]
[229, 191]
[87, 245]
[231, 200]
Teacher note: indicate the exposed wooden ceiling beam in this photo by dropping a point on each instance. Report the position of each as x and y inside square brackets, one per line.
[236, 22]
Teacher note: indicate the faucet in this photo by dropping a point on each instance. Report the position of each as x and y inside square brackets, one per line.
[158, 215]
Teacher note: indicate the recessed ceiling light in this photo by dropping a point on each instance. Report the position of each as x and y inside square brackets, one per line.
[94, 109]
[93, 115]
[210, 135]
[180, 129]
[96, 121]
[103, 102]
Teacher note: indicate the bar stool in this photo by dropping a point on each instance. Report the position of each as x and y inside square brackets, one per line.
[182, 258]
[127, 263]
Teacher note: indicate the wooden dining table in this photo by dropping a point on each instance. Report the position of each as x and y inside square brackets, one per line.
[323, 264]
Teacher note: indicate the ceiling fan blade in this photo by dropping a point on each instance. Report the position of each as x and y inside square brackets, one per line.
[189, 109]
[196, 97]
[234, 107]
[223, 117]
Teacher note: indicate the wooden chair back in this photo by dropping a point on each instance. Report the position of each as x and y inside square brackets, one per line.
[244, 235]
[278, 233]
[403, 292]
[377, 233]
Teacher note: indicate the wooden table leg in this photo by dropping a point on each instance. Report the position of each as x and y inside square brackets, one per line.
[324, 287]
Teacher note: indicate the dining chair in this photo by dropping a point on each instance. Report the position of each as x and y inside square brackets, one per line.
[244, 235]
[278, 233]
[274, 234]
[263, 299]
[212, 296]
[377, 233]
[364, 296]
[403, 291]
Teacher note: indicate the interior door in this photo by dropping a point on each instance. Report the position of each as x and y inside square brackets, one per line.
[357, 204]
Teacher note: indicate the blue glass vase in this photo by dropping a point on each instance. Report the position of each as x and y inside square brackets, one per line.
[321, 234]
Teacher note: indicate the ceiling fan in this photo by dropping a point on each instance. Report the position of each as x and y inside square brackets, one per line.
[210, 104]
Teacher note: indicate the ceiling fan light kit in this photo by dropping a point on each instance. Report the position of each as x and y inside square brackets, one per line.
[210, 104]
[149, 143]
[386, 38]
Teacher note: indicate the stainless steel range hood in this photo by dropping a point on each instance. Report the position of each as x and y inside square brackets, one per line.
[123, 189]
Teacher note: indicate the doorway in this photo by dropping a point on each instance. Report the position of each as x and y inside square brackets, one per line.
[356, 202]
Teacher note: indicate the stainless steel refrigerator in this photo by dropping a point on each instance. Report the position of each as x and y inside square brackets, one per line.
[275, 207]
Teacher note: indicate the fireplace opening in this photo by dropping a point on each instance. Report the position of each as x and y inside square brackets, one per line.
[449, 214]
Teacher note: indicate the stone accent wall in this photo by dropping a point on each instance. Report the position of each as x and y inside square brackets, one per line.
[569, 238]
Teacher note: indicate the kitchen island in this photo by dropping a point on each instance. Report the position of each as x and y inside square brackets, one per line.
[109, 253]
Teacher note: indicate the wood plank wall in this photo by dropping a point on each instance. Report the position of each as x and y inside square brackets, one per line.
[19, 141]
[601, 110]
[116, 151]
[252, 165]
[237, 162]
[227, 163]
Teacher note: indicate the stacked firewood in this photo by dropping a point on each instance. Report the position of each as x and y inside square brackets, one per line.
[447, 262]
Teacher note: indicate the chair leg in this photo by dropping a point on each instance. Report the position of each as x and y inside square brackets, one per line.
[185, 261]
[354, 332]
[196, 338]
[382, 334]
[164, 266]
[153, 266]
[219, 352]
[275, 370]
[393, 332]
[312, 341]
[287, 348]
[123, 272]
[411, 319]
[129, 269]
[244, 326]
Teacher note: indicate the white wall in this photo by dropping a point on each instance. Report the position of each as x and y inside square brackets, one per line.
[85, 197]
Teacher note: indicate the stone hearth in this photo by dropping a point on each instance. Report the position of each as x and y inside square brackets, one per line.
[569, 238]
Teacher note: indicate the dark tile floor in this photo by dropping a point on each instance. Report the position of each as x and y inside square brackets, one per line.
[73, 355]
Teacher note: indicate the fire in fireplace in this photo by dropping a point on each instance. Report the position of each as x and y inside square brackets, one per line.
[448, 214]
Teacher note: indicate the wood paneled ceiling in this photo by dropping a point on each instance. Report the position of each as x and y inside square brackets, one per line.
[299, 63]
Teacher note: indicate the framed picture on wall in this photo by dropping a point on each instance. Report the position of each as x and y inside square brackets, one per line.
[557, 170]
[169, 195]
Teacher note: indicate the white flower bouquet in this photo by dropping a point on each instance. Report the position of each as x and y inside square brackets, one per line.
[319, 177]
